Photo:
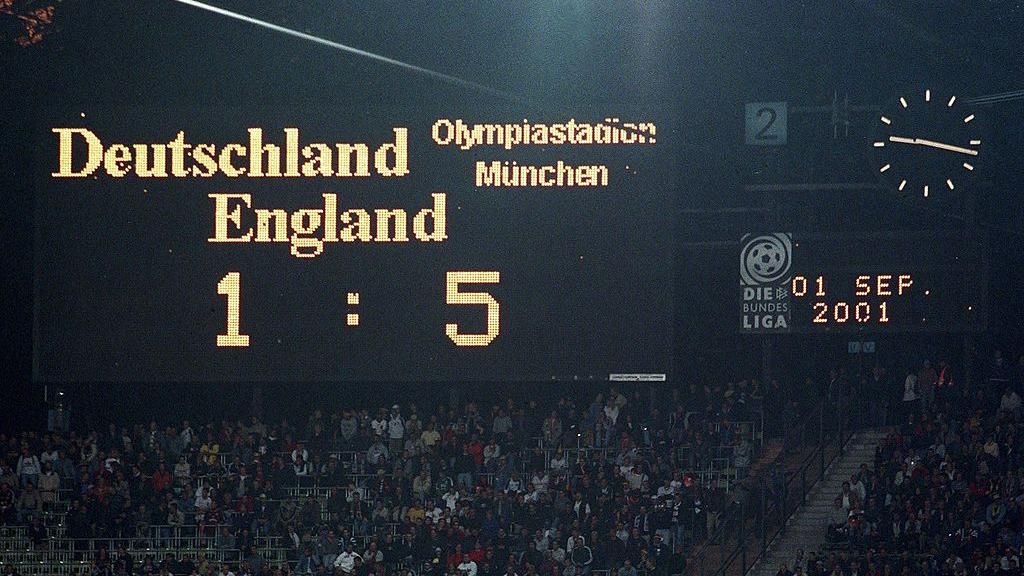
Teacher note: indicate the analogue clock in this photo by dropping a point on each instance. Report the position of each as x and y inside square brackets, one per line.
[927, 143]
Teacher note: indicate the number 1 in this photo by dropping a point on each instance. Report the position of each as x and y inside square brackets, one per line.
[230, 286]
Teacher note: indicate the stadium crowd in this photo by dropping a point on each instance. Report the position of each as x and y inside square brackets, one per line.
[455, 490]
[566, 489]
[945, 493]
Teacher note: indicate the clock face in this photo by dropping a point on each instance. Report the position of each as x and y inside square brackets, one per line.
[927, 144]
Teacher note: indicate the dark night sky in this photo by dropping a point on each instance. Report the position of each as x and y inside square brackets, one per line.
[702, 60]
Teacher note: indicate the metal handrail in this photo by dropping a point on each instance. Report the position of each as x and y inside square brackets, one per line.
[736, 517]
[843, 435]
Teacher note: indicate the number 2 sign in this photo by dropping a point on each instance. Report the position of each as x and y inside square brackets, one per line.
[766, 123]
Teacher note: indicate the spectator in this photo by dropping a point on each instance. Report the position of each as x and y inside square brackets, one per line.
[49, 486]
[345, 563]
[28, 468]
[138, 481]
[911, 396]
[37, 533]
[377, 453]
[581, 555]
[396, 431]
[1009, 404]
[29, 502]
[552, 430]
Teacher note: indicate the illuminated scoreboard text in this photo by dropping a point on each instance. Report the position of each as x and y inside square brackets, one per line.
[892, 282]
[872, 297]
[352, 245]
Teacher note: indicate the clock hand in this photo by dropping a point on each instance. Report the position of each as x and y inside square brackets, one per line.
[902, 140]
[942, 146]
[933, 144]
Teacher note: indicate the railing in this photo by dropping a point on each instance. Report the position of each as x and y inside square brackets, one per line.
[65, 555]
[759, 515]
[175, 536]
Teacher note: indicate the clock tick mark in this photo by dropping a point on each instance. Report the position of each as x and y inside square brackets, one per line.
[951, 100]
[884, 168]
[903, 102]
[903, 184]
[969, 118]
[885, 120]
[949, 183]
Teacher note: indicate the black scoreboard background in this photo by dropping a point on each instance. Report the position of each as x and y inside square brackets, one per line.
[127, 285]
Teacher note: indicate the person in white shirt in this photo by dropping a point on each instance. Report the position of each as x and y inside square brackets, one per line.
[379, 425]
[49, 456]
[636, 478]
[540, 481]
[514, 486]
[491, 454]
[611, 410]
[300, 452]
[558, 553]
[346, 561]
[187, 435]
[572, 541]
[910, 387]
[857, 486]
[532, 495]
[666, 491]
[377, 453]
[204, 485]
[433, 512]
[451, 498]
[1010, 403]
[182, 471]
[580, 507]
[467, 567]
[396, 430]
[28, 468]
[301, 467]
[559, 461]
[203, 500]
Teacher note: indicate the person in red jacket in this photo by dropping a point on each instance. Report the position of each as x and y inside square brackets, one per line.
[161, 479]
[477, 554]
[455, 558]
[475, 448]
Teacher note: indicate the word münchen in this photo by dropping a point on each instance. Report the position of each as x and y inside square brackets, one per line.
[254, 159]
[308, 229]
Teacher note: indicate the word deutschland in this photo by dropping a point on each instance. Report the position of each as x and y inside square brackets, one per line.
[81, 153]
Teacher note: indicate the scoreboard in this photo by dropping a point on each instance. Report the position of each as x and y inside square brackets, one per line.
[473, 242]
[868, 283]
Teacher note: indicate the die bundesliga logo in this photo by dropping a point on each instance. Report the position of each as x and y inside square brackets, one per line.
[766, 259]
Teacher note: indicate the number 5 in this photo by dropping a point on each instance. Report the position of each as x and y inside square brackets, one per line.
[454, 296]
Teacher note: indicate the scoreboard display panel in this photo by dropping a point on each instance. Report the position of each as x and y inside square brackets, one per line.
[468, 243]
[890, 282]
[886, 283]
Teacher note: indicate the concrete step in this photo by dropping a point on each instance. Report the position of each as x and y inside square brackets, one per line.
[807, 528]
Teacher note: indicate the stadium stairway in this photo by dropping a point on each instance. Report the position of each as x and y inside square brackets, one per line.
[806, 529]
[769, 454]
